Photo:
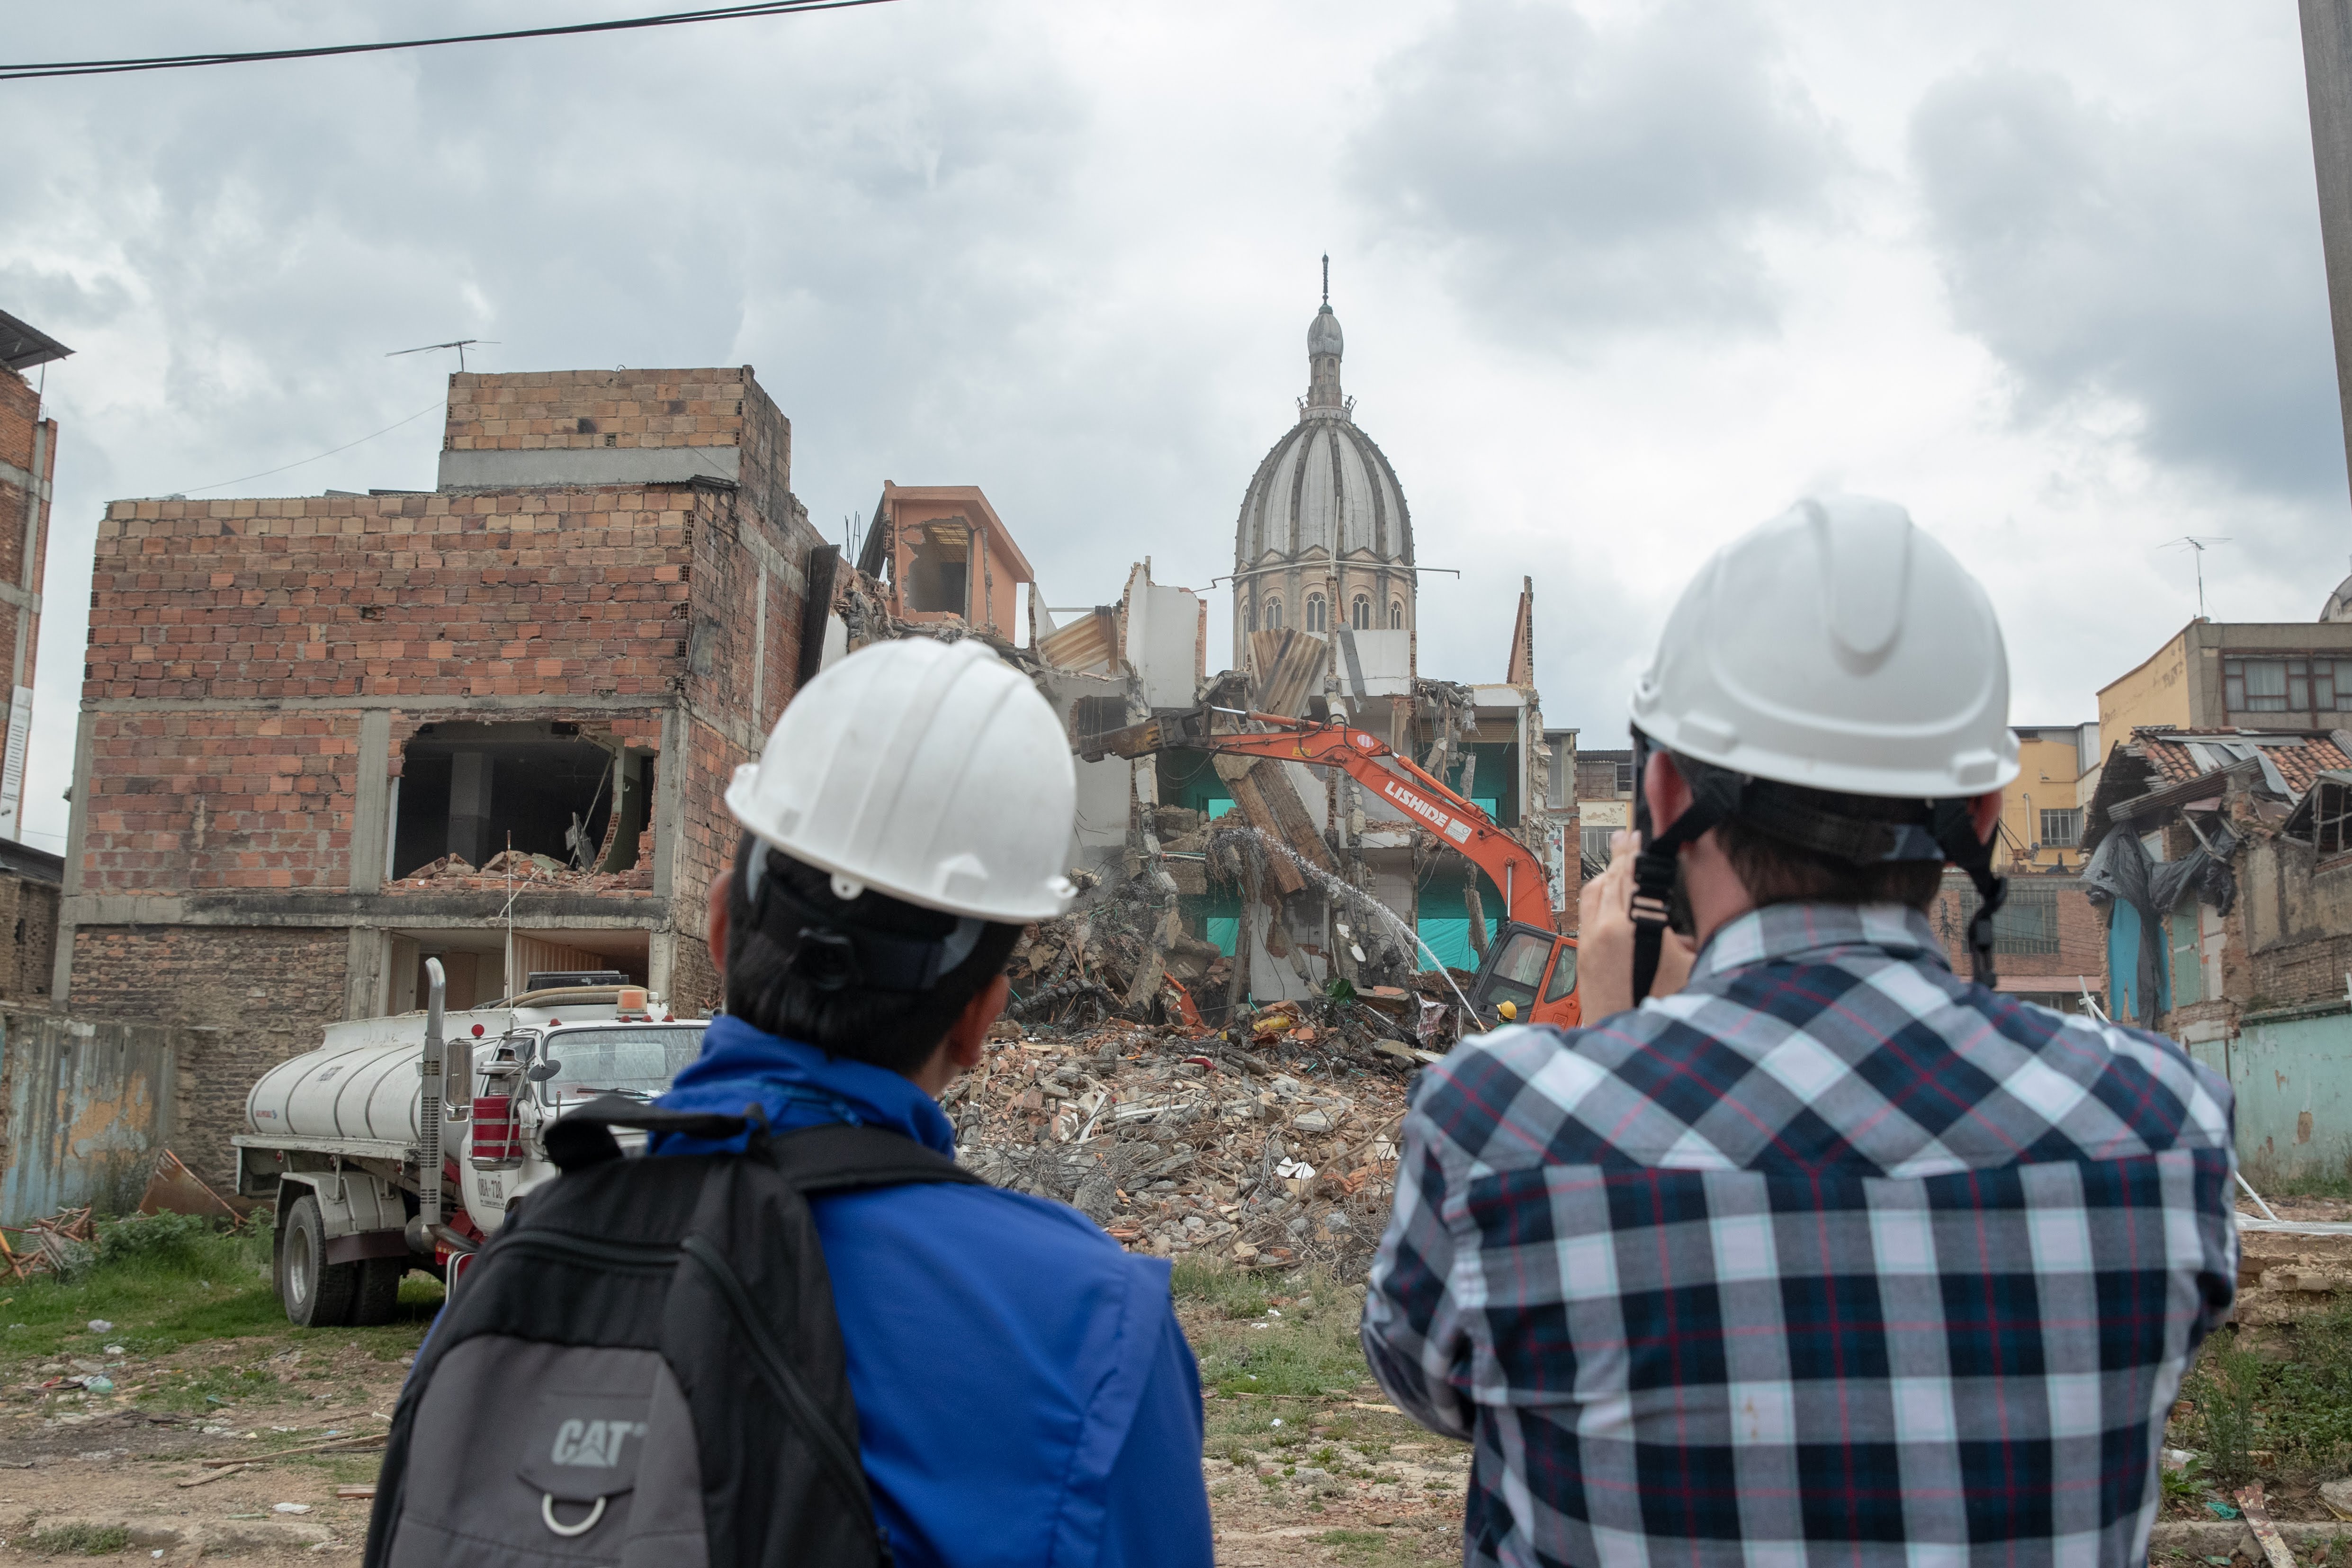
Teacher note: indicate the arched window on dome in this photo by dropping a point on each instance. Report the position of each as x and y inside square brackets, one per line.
[1396, 614]
[1314, 617]
[1274, 614]
[1359, 614]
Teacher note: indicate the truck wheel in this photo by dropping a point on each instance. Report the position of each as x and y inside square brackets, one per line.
[318, 1294]
[377, 1300]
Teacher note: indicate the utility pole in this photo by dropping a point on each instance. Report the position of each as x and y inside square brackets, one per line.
[2327, 83]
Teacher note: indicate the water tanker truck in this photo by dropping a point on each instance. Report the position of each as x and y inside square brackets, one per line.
[340, 1137]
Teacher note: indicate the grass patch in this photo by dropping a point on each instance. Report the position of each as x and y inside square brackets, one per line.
[2256, 1416]
[1289, 1334]
[165, 1282]
[1380, 1549]
[79, 1539]
[2304, 1184]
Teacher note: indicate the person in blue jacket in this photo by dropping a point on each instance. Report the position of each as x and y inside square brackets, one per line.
[1024, 1395]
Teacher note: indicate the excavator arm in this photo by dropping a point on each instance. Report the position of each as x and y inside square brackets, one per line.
[1526, 962]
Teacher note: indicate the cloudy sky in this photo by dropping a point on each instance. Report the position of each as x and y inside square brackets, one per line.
[1618, 277]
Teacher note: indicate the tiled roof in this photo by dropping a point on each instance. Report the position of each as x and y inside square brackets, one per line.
[2179, 755]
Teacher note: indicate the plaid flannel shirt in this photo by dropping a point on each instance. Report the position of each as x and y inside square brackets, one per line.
[1832, 1258]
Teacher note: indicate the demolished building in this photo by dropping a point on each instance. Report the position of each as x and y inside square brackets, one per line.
[2224, 862]
[324, 738]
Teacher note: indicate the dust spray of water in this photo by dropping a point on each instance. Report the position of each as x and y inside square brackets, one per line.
[1351, 897]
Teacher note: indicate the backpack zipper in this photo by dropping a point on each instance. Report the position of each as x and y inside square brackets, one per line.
[769, 1356]
[634, 1257]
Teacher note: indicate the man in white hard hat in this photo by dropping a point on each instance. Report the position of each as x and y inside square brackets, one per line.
[1024, 1394]
[1824, 1254]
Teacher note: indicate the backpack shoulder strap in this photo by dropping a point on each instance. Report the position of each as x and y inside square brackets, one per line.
[840, 1158]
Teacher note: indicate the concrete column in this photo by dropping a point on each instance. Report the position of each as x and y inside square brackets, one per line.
[77, 827]
[469, 806]
[2327, 82]
[371, 803]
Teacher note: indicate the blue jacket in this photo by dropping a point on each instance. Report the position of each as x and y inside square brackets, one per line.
[1024, 1394]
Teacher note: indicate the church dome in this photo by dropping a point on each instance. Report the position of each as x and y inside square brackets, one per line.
[1324, 486]
[2339, 603]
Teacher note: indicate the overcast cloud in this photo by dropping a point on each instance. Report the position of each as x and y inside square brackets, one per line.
[1619, 278]
[2105, 254]
[1573, 179]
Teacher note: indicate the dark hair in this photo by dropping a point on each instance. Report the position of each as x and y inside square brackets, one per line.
[896, 1029]
[1775, 870]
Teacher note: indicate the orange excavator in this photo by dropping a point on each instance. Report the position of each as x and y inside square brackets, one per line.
[1530, 975]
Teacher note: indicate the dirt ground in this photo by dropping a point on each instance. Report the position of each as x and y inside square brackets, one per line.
[1331, 1478]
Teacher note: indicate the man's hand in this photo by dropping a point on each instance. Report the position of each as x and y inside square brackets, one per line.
[1604, 940]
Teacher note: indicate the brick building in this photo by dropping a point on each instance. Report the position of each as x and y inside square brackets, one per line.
[324, 738]
[29, 458]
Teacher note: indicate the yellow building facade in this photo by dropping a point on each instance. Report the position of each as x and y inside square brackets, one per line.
[2042, 809]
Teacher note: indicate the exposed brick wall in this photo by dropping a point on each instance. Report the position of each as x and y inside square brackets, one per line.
[496, 591]
[253, 997]
[19, 417]
[2082, 934]
[226, 799]
[694, 980]
[538, 409]
[28, 939]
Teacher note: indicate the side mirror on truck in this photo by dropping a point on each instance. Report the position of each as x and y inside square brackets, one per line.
[542, 1071]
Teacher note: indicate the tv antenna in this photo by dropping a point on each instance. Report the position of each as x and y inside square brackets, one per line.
[2198, 543]
[460, 344]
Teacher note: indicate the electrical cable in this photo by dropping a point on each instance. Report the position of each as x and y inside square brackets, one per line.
[346, 446]
[178, 62]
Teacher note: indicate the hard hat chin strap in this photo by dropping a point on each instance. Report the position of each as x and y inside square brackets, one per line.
[1902, 830]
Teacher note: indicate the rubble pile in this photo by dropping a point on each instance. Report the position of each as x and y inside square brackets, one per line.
[1264, 1147]
[451, 874]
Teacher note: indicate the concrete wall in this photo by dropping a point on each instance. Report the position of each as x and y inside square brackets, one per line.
[2155, 693]
[88, 1106]
[2292, 1071]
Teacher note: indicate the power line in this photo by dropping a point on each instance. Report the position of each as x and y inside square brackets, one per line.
[346, 446]
[180, 62]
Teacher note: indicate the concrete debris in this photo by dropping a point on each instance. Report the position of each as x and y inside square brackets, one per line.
[1266, 1145]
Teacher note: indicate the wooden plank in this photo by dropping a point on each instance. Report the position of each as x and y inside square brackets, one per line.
[2258, 1519]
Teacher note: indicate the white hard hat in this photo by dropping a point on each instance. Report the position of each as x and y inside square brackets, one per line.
[930, 771]
[1839, 647]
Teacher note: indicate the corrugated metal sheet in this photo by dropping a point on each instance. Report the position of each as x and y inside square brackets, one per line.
[88, 1106]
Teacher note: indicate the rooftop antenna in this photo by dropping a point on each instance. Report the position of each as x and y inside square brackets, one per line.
[461, 345]
[2198, 543]
[1327, 280]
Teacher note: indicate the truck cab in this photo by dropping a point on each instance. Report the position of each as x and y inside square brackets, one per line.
[333, 1137]
[1533, 968]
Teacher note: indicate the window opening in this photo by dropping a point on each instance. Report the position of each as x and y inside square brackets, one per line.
[2026, 922]
[1315, 616]
[466, 787]
[1517, 970]
[1274, 614]
[1592, 843]
[2061, 827]
[1359, 614]
[2331, 819]
[1564, 975]
[938, 566]
[1396, 614]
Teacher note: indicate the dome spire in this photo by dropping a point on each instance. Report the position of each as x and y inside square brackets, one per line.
[1324, 346]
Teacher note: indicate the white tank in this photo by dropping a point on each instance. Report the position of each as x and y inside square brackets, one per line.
[363, 1083]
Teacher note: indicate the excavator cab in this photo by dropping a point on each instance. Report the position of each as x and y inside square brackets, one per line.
[1533, 969]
